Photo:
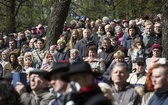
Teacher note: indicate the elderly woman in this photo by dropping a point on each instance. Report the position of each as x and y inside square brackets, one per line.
[74, 56]
[96, 63]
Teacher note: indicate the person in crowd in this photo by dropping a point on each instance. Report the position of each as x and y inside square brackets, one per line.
[159, 80]
[147, 34]
[106, 52]
[74, 56]
[4, 58]
[13, 65]
[137, 50]
[105, 20]
[85, 78]
[157, 38]
[42, 32]
[156, 55]
[128, 39]
[20, 60]
[21, 39]
[2, 44]
[84, 44]
[54, 76]
[119, 34]
[96, 63]
[96, 36]
[75, 37]
[8, 95]
[28, 57]
[27, 64]
[31, 44]
[149, 88]
[40, 53]
[13, 47]
[113, 25]
[25, 48]
[62, 51]
[53, 49]
[138, 78]
[119, 57]
[40, 94]
[126, 94]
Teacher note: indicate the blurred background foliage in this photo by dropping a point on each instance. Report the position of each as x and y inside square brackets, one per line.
[19, 15]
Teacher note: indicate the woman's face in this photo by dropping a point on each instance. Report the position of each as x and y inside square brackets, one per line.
[4, 56]
[119, 59]
[12, 58]
[108, 34]
[51, 60]
[74, 35]
[92, 54]
[131, 32]
[73, 55]
[60, 45]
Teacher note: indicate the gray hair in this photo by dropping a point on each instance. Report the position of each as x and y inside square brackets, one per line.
[122, 65]
[74, 51]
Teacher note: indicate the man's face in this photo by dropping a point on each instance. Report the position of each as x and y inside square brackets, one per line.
[119, 75]
[140, 67]
[159, 79]
[157, 28]
[11, 44]
[37, 82]
[57, 83]
[131, 32]
[148, 29]
[107, 28]
[106, 44]
[40, 44]
[86, 34]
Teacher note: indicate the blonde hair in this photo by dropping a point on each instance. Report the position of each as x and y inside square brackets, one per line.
[119, 54]
[28, 54]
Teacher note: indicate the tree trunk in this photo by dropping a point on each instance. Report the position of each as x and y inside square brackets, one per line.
[56, 21]
[12, 20]
[165, 28]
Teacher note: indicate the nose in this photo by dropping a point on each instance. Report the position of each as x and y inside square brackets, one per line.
[52, 82]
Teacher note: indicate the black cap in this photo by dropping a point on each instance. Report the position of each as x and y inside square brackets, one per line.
[139, 60]
[38, 71]
[58, 67]
[8, 76]
[79, 67]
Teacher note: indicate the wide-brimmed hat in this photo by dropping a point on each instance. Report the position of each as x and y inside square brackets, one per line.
[77, 68]
[38, 71]
[57, 67]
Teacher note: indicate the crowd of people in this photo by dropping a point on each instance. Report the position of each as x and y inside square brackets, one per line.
[101, 62]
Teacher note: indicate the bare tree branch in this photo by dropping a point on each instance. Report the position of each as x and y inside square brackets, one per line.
[4, 4]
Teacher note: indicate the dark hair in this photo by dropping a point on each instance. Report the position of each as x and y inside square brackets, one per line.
[93, 48]
[8, 95]
[41, 40]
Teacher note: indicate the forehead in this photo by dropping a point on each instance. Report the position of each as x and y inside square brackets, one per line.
[119, 68]
[159, 71]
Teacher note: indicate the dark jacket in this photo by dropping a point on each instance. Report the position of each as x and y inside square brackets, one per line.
[107, 56]
[86, 93]
[62, 54]
[83, 46]
[159, 98]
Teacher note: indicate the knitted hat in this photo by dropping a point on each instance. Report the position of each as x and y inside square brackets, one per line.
[157, 46]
